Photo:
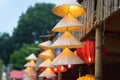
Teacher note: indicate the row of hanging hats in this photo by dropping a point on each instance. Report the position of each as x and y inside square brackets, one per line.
[30, 73]
[69, 10]
[48, 56]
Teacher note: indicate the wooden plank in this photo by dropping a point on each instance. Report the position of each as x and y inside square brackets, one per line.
[112, 34]
[112, 59]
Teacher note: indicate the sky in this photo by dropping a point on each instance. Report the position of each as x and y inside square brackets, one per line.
[11, 10]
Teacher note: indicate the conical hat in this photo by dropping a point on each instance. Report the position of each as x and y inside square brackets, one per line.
[69, 6]
[81, 78]
[29, 64]
[47, 54]
[31, 57]
[87, 77]
[46, 63]
[68, 23]
[66, 57]
[47, 73]
[75, 52]
[67, 40]
[29, 71]
[45, 45]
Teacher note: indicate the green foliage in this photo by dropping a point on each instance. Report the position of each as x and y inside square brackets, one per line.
[37, 21]
[18, 57]
[1, 63]
[1, 66]
[6, 47]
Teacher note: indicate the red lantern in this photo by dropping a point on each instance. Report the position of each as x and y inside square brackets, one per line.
[61, 68]
[87, 53]
[54, 69]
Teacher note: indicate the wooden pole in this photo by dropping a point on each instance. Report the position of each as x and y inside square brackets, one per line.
[98, 50]
[98, 54]
[59, 76]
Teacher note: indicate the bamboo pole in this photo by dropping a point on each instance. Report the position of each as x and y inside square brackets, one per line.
[106, 8]
[59, 76]
[98, 10]
[98, 50]
[98, 54]
[109, 7]
[85, 17]
[115, 5]
[112, 5]
[101, 10]
[93, 11]
[90, 14]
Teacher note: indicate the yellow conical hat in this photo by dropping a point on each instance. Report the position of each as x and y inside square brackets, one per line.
[47, 73]
[69, 6]
[46, 63]
[45, 45]
[47, 54]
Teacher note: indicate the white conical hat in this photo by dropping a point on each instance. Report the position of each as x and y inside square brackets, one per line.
[47, 73]
[67, 40]
[29, 64]
[69, 6]
[45, 45]
[46, 63]
[47, 54]
[66, 57]
[31, 57]
[68, 23]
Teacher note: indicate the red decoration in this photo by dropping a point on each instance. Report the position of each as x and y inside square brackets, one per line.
[60, 68]
[87, 53]
[17, 74]
[54, 70]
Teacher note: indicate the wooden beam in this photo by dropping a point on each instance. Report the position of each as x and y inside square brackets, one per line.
[112, 59]
[112, 34]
